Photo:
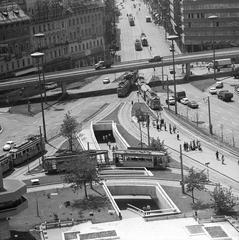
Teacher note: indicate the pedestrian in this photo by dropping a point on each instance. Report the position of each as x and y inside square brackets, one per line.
[150, 48]
[163, 143]
[165, 126]
[103, 137]
[174, 129]
[148, 209]
[217, 155]
[132, 102]
[223, 159]
[199, 146]
[113, 148]
[109, 144]
[208, 68]
[170, 128]
[157, 127]
[144, 209]
[178, 138]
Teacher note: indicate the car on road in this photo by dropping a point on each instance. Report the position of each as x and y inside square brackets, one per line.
[155, 59]
[106, 80]
[184, 101]
[170, 101]
[193, 104]
[8, 146]
[219, 84]
[213, 90]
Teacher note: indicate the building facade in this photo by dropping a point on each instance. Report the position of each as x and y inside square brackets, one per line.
[198, 29]
[15, 34]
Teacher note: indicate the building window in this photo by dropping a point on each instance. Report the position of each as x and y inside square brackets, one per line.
[39, 29]
[70, 36]
[84, 19]
[92, 18]
[33, 30]
[73, 21]
[81, 20]
[71, 49]
[94, 43]
[82, 33]
[11, 50]
[90, 44]
[44, 27]
[87, 45]
[27, 46]
[75, 48]
[83, 45]
[89, 31]
[97, 43]
[28, 61]
[16, 48]
[79, 47]
[86, 33]
[51, 55]
[62, 24]
[59, 52]
[88, 18]
[99, 15]
[3, 36]
[53, 26]
[95, 17]
[55, 53]
[48, 26]
[101, 42]
[23, 62]
[77, 21]
[18, 64]
[54, 39]
[13, 65]
[7, 67]
[22, 49]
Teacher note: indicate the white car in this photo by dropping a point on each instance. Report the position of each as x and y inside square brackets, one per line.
[219, 84]
[213, 90]
[184, 101]
[170, 101]
[106, 80]
[8, 146]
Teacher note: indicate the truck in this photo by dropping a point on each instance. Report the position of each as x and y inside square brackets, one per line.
[225, 95]
[180, 95]
[137, 45]
[101, 64]
[220, 63]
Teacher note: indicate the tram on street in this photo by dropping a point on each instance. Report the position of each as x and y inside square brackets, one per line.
[31, 147]
[140, 157]
[57, 163]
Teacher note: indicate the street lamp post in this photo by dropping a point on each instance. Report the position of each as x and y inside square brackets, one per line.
[172, 38]
[40, 36]
[38, 56]
[213, 17]
[206, 164]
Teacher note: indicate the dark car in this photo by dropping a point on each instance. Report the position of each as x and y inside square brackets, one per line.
[155, 59]
[193, 104]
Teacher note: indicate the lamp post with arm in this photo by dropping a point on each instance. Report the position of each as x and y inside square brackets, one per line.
[172, 38]
[39, 56]
[213, 17]
[41, 36]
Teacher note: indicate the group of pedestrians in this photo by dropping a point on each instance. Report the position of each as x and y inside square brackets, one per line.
[192, 146]
[218, 157]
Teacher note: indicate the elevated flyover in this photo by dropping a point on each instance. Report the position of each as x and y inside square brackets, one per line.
[81, 74]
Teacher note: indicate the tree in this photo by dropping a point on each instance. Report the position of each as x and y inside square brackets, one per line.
[80, 171]
[195, 180]
[157, 145]
[223, 200]
[69, 128]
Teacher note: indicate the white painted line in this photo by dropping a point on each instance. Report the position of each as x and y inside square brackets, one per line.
[85, 108]
[14, 134]
[224, 118]
[234, 123]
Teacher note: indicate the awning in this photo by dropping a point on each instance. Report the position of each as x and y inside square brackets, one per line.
[29, 70]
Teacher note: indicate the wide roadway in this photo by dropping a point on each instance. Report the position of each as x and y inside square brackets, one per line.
[16, 127]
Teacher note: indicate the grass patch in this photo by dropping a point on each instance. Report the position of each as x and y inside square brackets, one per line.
[203, 85]
[45, 207]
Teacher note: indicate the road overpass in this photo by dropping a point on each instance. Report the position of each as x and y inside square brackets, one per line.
[81, 74]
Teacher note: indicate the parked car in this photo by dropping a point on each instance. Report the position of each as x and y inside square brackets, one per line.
[193, 104]
[106, 80]
[213, 90]
[184, 101]
[170, 101]
[219, 84]
[8, 146]
[155, 59]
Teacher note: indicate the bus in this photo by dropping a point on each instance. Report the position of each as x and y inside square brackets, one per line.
[56, 163]
[140, 157]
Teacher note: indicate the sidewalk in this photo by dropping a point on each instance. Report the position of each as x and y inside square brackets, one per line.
[196, 159]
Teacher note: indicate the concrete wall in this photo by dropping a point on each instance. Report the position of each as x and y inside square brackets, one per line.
[4, 229]
[102, 126]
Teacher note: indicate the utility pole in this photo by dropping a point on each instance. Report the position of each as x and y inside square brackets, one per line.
[181, 164]
[42, 149]
[141, 141]
[148, 121]
[209, 116]
[162, 77]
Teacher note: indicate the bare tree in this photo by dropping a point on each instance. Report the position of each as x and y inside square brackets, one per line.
[69, 128]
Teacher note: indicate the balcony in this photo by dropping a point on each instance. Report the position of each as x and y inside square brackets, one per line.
[18, 207]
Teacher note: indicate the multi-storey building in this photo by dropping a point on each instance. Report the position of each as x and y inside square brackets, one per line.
[15, 33]
[86, 32]
[12, 202]
[198, 30]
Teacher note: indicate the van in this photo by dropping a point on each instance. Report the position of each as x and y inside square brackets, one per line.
[148, 19]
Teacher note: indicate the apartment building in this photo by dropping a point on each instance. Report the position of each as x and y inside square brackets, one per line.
[15, 34]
